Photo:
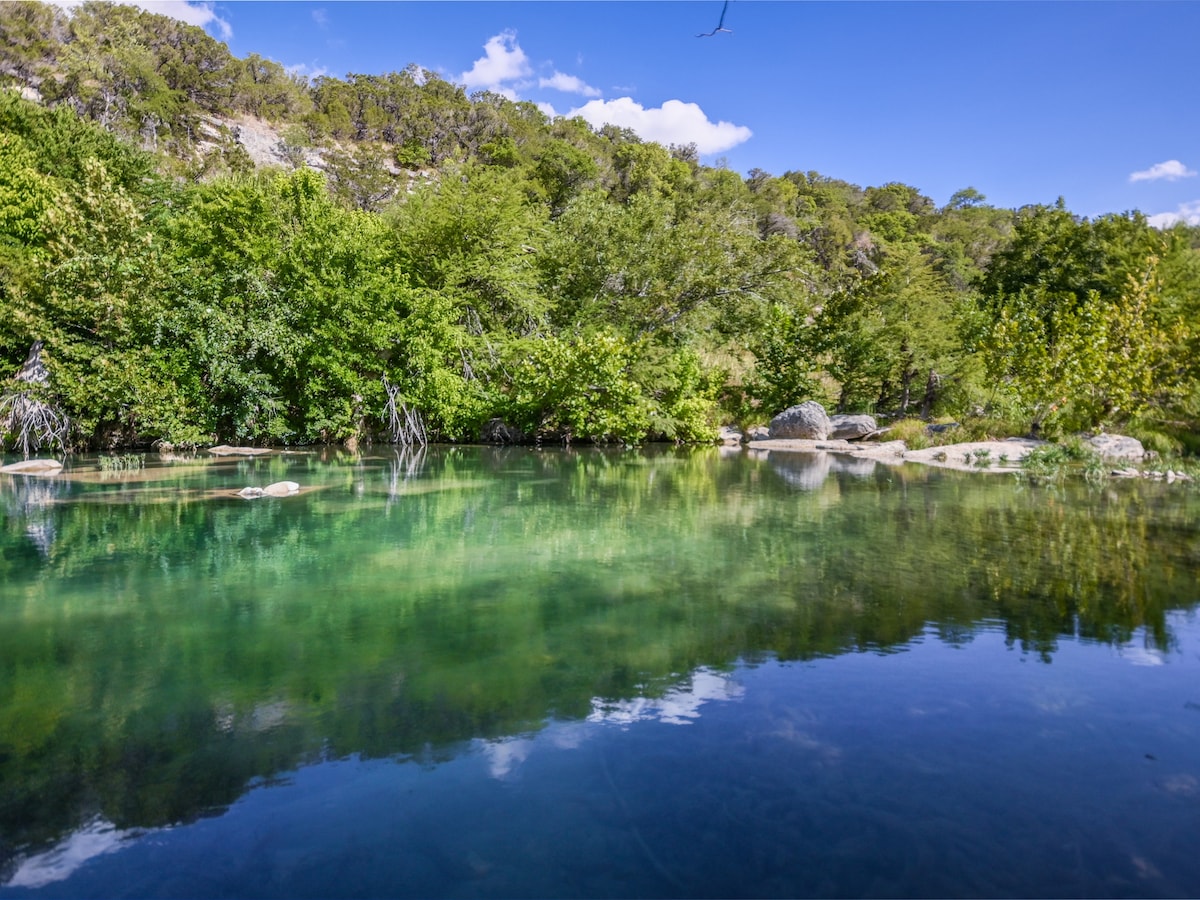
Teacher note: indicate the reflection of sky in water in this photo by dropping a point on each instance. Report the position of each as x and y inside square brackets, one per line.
[1143, 656]
[96, 838]
[678, 706]
[941, 771]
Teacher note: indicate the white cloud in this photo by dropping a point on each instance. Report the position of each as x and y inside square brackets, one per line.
[301, 70]
[1171, 170]
[201, 14]
[321, 17]
[548, 110]
[1188, 213]
[568, 84]
[504, 60]
[675, 122]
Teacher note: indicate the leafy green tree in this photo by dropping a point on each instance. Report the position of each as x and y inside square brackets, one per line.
[362, 178]
[561, 172]
[1085, 364]
[578, 388]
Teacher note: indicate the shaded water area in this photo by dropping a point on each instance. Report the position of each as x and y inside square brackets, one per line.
[520, 673]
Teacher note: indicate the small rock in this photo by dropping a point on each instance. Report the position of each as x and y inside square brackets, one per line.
[941, 429]
[250, 493]
[1170, 476]
[758, 433]
[729, 435]
[281, 489]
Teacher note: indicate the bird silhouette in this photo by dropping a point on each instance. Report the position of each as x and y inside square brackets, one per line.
[720, 24]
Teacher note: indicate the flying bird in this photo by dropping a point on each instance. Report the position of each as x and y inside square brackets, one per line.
[720, 24]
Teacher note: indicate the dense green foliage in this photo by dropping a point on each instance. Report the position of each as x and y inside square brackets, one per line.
[487, 262]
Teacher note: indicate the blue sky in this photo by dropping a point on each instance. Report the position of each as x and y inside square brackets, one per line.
[1024, 101]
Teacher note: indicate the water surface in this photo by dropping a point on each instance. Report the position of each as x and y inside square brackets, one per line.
[487, 673]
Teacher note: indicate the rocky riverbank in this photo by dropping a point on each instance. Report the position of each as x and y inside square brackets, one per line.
[808, 428]
[989, 456]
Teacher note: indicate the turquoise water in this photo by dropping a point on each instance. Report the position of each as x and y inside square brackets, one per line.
[484, 673]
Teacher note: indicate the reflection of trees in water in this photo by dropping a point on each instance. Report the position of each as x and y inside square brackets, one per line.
[406, 464]
[29, 499]
[505, 587]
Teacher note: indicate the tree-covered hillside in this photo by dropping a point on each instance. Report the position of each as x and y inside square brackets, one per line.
[421, 256]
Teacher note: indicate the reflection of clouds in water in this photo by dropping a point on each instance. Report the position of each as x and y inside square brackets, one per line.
[679, 706]
[505, 755]
[1181, 785]
[1058, 700]
[806, 740]
[94, 839]
[1143, 656]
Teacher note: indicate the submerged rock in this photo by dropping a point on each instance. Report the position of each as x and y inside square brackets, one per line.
[226, 450]
[278, 489]
[808, 421]
[33, 467]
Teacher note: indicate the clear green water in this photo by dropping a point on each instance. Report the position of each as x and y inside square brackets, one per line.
[518, 673]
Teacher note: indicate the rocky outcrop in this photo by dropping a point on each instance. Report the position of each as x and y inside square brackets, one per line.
[1116, 446]
[852, 428]
[806, 422]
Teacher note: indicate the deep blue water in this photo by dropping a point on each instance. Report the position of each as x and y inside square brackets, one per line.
[672, 675]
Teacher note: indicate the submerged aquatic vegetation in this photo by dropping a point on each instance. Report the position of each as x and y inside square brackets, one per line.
[122, 462]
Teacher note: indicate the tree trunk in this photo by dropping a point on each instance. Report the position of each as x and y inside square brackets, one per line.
[932, 383]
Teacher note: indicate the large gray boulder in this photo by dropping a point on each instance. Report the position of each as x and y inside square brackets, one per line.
[806, 422]
[1116, 446]
[851, 428]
